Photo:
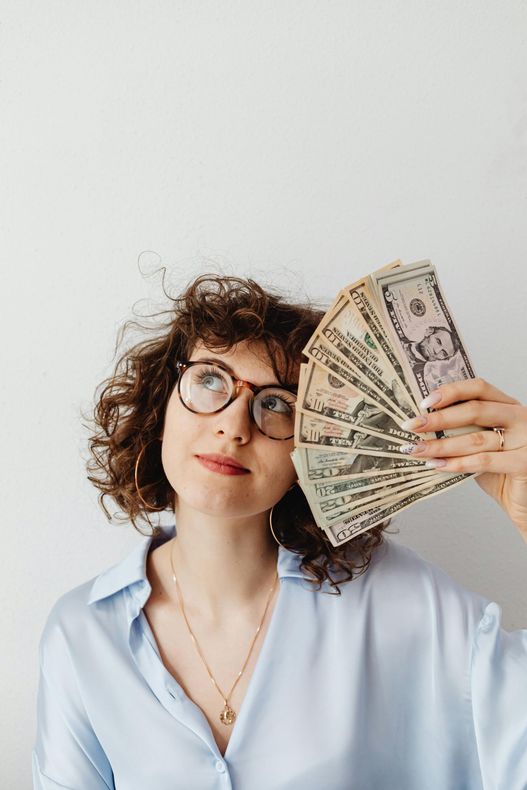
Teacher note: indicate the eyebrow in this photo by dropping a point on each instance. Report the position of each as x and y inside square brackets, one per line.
[217, 360]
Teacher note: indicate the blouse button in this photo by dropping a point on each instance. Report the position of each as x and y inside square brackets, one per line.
[486, 623]
[220, 766]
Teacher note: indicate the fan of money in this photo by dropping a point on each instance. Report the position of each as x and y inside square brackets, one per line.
[384, 344]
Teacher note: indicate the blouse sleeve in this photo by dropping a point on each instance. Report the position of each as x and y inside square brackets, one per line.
[66, 752]
[499, 701]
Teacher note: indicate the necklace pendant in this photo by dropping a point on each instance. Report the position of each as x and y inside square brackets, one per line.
[227, 715]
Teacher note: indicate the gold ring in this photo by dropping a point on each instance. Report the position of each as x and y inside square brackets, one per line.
[500, 432]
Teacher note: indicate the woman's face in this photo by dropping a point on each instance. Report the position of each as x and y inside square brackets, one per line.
[228, 432]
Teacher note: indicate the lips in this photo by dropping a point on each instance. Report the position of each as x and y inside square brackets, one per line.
[223, 464]
[224, 460]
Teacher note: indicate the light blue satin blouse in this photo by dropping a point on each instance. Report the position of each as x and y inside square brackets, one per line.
[404, 682]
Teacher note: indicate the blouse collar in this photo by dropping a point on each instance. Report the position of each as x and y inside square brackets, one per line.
[131, 571]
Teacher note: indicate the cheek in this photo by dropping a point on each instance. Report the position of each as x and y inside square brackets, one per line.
[180, 432]
[279, 467]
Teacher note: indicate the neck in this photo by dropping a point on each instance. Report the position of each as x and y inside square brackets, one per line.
[224, 567]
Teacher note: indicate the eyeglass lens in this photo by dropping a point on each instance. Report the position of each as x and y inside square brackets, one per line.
[206, 388]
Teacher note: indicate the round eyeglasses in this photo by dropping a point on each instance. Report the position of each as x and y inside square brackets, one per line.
[205, 388]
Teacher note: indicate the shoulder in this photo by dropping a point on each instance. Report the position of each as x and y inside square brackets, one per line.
[402, 584]
[397, 566]
[411, 613]
[96, 616]
[66, 621]
[75, 627]
[100, 609]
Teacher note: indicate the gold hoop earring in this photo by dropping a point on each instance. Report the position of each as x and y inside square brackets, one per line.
[150, 507]
[271, 519]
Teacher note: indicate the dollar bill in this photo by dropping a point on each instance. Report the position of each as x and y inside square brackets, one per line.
[363, 296]
[385, 343]
[316, 465]
[324, 395]
[334, 510]
[428, 341]
[310, 431]
[377, 498]
[345, 329]
[321, 352]
[352, 526]
[322, 491]
[368, 372]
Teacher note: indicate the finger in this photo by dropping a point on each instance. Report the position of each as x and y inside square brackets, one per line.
[510, 462]
[487, 414]
[466, 444]
[468, 390]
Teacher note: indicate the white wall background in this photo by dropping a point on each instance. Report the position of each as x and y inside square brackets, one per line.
[302, 143]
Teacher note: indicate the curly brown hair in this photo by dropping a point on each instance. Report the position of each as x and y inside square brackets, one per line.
[130, 406]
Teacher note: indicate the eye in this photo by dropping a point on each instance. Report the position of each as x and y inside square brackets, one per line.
[278, 404]
[211, 378]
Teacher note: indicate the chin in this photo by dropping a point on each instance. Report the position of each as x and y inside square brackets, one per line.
[216, 503]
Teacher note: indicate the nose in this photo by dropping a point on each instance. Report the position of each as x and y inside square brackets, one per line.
[437, 348]
[235, 420]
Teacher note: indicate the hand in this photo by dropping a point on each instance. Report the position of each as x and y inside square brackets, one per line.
[502, 474]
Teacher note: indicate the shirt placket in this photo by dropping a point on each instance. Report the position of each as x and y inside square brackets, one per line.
[145, 653]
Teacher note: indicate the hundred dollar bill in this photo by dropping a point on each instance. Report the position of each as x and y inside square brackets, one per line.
[345, 329]
[419, 321]
[351, 527]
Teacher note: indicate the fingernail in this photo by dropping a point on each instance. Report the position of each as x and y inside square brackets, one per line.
[415, 422]
[414, 447]
[430, 400]
[434, 463]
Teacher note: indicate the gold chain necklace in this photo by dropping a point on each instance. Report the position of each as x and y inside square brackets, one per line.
[227, 715]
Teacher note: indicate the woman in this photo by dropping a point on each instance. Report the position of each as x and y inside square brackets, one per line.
[213, 656]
